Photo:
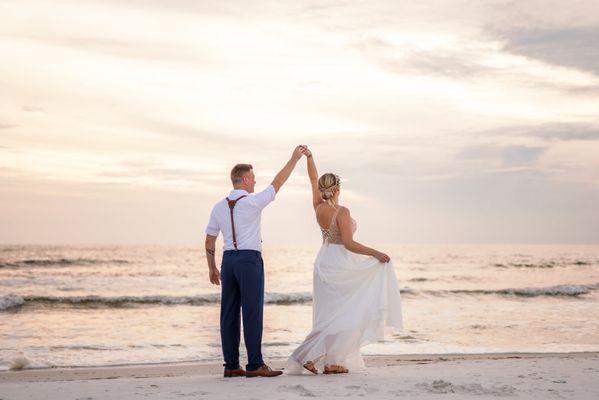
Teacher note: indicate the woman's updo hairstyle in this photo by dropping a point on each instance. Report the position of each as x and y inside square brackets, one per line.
[328, 185]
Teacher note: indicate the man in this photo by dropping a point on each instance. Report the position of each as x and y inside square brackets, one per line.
[242, 269]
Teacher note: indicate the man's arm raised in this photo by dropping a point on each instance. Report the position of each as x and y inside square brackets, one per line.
[284, 173]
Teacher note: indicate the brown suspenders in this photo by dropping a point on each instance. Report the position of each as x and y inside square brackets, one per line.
[231, 206]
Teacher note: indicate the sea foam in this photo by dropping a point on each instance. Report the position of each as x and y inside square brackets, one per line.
[11, 301]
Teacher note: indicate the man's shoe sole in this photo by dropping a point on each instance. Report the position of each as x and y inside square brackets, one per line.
[262, 376]
[232, 375]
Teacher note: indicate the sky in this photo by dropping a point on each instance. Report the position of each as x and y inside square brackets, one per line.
[449, 122]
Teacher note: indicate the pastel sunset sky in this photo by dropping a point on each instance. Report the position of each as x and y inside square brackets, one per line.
[448, 121]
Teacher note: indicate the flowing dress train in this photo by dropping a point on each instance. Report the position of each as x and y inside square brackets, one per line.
[354, 298]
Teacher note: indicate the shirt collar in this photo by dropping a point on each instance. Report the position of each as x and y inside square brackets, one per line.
[237, 193]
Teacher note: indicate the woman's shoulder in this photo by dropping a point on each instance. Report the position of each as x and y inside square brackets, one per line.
[342, 209]
[342, 212]
[326, 208]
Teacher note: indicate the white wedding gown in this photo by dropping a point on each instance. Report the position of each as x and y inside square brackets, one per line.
[354, 298]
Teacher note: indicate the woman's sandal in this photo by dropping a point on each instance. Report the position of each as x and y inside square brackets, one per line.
[310, 367]
[335, 369]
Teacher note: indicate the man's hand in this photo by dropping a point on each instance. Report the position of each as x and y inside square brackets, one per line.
[212, 270]
[298, 152]
[214, 276]
[283, 174]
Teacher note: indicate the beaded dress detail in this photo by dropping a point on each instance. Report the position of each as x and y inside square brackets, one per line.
[332, 234]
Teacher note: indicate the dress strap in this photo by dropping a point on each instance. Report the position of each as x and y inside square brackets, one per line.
[334, 217]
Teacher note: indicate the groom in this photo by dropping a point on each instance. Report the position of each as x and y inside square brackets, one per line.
[242, 268]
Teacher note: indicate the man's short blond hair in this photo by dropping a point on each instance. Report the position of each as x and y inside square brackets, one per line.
[238, 171]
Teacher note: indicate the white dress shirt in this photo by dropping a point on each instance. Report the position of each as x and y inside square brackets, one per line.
[247, 214]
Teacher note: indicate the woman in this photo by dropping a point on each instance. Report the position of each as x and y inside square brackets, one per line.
[355, 291]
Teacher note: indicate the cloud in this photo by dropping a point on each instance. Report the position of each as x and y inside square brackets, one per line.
[458, 63]
[574, 47]
[159, 172]
[520, 155]
[549, 131]
[507, 156]
[171, 129]
[166, 51]
[444, 63]
[191, 7]
[474, 60]
[567, 132]
[31, 108]
[585, 90]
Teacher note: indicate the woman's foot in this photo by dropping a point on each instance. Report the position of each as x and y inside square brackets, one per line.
[310, 367]
[335, 369]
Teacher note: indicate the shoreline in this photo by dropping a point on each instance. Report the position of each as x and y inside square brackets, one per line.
[184, 369]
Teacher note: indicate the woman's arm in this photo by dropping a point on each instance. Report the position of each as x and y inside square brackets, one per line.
[347, 236]
[313, 175]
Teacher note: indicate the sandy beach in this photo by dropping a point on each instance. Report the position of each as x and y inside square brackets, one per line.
[524, 375]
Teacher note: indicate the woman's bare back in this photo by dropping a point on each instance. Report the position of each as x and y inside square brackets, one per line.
[324, 215]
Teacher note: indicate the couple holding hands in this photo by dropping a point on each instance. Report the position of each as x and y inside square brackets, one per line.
[355, 290]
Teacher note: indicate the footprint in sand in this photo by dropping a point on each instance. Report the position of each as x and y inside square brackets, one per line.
[182, 394]
[357, 390]
[298, 389]
[441, 386]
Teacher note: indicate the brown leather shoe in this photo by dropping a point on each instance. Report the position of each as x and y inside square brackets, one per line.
[264, 371]
[231, 373]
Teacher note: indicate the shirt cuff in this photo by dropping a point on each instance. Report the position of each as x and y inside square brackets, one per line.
[211, 232]
[273, 191]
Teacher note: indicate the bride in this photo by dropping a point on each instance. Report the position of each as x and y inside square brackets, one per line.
[355, 291]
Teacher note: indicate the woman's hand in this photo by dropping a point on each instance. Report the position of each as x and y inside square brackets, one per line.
[382, 257]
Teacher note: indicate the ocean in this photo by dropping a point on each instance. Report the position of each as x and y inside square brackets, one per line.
[120, 305]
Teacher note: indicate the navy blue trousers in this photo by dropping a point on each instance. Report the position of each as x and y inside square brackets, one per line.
[242, 288]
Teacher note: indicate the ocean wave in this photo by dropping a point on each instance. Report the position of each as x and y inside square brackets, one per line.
[13, 301]
[419, 279]
[547, 264]
[557, 290]
[58, 262]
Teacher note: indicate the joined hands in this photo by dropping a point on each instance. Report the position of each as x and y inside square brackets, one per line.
[300, 150]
